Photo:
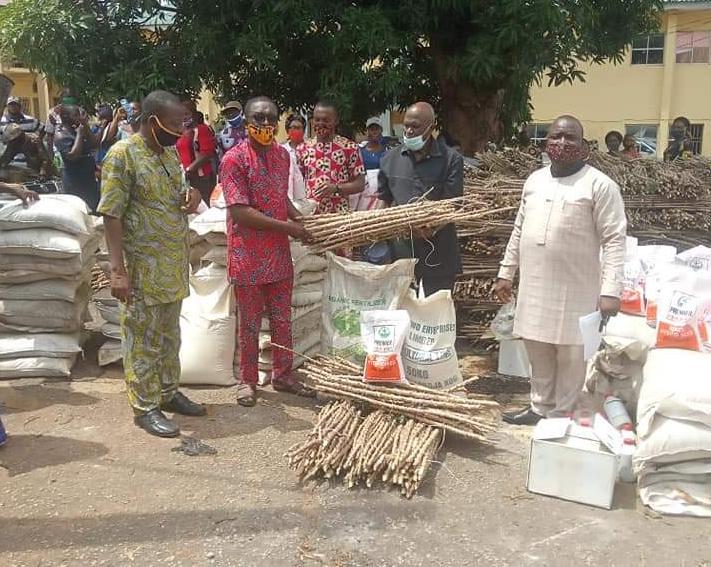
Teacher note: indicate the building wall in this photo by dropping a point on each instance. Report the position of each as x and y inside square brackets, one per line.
[37, 95]
[615, 96]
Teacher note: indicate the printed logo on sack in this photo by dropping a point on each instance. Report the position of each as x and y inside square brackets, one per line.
[384, 338]
[384, 332]
[697, 264]
[681, 308]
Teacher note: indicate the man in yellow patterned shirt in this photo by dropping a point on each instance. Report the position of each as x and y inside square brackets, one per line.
[144, 202]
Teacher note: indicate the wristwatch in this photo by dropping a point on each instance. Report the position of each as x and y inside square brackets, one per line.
[337, 192]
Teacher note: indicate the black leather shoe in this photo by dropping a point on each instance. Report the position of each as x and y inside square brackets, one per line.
[155, 423]
[182, 405]
[526, 417]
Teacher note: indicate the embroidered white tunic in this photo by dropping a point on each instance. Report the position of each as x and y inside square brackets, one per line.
[563, 224]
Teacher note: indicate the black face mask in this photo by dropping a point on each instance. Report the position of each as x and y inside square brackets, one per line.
[162, 135]
[678, 133]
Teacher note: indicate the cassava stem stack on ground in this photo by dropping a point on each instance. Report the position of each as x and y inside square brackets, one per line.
[473, 417]
[382, 447]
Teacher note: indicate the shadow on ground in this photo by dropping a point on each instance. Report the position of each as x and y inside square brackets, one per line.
[25, 453]
[34, 397]
[28, 534]
[232, 420]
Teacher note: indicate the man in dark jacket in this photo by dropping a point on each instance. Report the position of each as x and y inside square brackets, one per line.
[424, 166]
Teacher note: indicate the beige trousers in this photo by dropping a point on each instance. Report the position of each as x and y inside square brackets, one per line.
[557, 377]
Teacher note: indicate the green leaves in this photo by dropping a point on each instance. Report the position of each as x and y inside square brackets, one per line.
[366, 54]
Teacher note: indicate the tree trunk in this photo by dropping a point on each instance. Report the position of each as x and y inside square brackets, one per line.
[472, 119]
[470, 116]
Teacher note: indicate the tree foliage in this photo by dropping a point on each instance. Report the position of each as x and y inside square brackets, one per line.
[467, 57]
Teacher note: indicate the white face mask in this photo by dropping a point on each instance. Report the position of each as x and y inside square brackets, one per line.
[415, 143]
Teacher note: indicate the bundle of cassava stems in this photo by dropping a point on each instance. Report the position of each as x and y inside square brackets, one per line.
[383, 432]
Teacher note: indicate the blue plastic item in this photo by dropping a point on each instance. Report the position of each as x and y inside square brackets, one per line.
[378, 253]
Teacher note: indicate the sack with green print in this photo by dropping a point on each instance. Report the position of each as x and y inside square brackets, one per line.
[351, 288]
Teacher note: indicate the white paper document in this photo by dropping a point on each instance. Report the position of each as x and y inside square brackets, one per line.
[552, 428]
[590, 330]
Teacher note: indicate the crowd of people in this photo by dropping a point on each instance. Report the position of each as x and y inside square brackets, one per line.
[680, 146]
[145, 166]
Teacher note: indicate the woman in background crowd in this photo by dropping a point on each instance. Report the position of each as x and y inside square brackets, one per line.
[629, 145]
[295, 129]
[373, 149]
[613, 140]
[680, 146]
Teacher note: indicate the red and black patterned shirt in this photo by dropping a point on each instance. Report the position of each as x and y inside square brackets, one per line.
[259, 180]
[335, 162]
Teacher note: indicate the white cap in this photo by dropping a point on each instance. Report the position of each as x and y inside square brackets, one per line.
[373, 120]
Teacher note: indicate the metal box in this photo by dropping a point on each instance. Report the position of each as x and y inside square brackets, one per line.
[570, 462]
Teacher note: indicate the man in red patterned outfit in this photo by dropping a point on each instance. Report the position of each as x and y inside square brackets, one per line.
[331, 164]
[255, 182]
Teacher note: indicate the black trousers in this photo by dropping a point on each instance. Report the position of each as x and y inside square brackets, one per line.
[436, 282]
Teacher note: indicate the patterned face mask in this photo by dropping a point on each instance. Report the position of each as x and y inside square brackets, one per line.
[263, 135]
[324, 131]
[565, 152]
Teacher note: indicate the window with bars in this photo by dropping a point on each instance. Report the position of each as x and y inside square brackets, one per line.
[693, 47]
[538, 132]
[648, 50]
[645, 136]
[696, 133]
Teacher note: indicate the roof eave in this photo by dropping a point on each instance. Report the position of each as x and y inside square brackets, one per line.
[686, 5]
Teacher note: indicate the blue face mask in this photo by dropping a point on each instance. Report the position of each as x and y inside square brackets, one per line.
[237, 121]
[416, 143]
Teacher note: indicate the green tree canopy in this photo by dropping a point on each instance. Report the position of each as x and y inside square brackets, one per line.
[474, 60]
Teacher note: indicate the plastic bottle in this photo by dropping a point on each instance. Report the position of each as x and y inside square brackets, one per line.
[582, 417]
[625, 472]
[616, 413]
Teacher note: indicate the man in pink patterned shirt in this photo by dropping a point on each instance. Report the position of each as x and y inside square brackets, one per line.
[255, 181]
[331, 164]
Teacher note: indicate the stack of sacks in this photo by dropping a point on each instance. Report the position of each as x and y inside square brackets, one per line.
[653, 275]
[645, 269]
[46, 254]
[208, 237]
[309, 274]
[673, 458]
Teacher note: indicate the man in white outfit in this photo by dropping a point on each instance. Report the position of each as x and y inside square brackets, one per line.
[569, 213]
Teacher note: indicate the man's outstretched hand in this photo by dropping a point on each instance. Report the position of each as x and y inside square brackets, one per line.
[299, 231]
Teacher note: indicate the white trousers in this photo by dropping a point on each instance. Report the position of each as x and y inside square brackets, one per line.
[557, 377]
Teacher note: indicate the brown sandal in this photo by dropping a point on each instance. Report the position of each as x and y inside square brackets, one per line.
[295, 387]
[247, 395]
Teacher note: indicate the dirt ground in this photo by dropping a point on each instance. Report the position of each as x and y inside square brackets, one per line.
[81, 485]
